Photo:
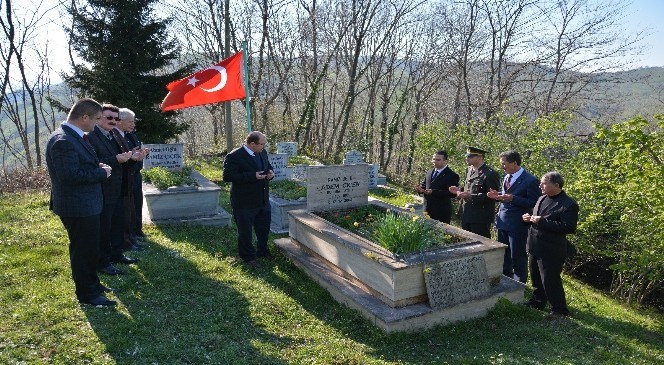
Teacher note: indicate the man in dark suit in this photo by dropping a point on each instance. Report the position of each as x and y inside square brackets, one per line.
[435, 188]
[76, 196]
[133, 204]
[248, 170]
[477, 209]
[554, 216]
[518, 196]
[112, 216]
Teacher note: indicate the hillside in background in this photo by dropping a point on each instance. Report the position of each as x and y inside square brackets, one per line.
[618, 96]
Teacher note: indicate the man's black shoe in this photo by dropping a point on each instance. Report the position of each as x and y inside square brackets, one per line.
[534, 304]
[99, 300]
[124, 260]
[111, 270]
[107, 289]
[137, 247]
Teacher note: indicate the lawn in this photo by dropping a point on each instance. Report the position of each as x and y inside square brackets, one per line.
[191, 301]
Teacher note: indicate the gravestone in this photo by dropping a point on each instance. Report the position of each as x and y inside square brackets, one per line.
[164, 155]
[279, 162]
[353, 157]
[299, 172]
[373, 176]
[456, 281]
[289, 148]
[337, 187]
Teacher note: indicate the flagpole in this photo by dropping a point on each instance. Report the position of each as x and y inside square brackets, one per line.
[246, 85]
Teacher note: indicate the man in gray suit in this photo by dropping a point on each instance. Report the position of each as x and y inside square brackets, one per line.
[76, 197]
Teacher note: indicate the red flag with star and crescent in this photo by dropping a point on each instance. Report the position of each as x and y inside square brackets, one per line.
[221, 82]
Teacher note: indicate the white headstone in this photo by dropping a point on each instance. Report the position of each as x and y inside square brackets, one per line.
[299, 172]
[164, 155]
[289, 148]
[337, 187]
[279, 162]
[353, 157]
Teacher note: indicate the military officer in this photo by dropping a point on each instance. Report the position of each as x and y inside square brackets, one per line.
[478, 211]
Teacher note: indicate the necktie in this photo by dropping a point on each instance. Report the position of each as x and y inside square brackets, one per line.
[507, 182]
[86, 138]
[434, 175]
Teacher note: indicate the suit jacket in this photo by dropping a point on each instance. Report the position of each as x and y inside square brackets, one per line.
[75, 175]
[439, 204]
[107, 150]
[247, 192]
[547, 238]
[133, 142]
[480, 208]
[525, 192]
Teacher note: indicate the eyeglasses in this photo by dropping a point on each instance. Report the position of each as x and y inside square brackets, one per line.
[111, 118]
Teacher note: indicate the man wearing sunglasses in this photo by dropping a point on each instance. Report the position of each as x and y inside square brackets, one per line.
[112, 216]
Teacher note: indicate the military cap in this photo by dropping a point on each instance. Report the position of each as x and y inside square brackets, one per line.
[475, 151]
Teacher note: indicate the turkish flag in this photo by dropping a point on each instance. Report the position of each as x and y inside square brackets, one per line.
[221, 82]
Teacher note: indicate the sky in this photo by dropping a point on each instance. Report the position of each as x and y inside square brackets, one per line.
[648, 14]
[640, 15]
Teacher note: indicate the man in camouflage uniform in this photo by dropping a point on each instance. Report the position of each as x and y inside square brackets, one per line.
[478, 211]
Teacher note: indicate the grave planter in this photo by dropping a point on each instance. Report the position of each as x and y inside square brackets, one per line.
[185, 203]
[396, 281]
[280, 208]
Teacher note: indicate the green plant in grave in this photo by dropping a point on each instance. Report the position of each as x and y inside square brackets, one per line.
[300, 160]
[401, 233]
[288, 189]
[163, 178]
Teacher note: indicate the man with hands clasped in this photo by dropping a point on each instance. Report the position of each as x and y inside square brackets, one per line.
[518, 196]
[554, 216]
[435, 188]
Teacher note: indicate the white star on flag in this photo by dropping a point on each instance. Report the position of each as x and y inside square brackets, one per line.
[192, 81]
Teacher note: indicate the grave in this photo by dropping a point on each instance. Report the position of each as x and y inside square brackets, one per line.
[397, 293]
[289, 148]
[180, 204]
[279, 162]
[374, 178]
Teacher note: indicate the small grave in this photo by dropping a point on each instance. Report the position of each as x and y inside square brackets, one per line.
[185, 204]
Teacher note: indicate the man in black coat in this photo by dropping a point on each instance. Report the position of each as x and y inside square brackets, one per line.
[248, 170]
[114, 189]
[478, 211]
[554, 216]
[76, 196]
[435, 188]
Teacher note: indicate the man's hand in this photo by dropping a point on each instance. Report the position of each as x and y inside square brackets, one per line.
[106, 168]
[123, 157]
[270, 175]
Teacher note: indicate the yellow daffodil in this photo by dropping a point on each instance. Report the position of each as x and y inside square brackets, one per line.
[356, 224]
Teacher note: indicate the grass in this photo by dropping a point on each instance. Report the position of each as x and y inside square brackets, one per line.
[288, 189]
[396, 197]
[191, 301]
